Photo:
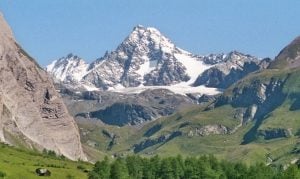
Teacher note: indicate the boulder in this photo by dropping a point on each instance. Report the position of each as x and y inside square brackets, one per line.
[42, 172]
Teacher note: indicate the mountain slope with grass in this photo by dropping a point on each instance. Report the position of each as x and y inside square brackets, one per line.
[18, 163]
[255, 120]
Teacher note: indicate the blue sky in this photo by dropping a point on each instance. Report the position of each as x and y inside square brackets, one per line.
[49, 29]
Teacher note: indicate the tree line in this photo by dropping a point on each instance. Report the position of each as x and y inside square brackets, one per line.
[206, 167]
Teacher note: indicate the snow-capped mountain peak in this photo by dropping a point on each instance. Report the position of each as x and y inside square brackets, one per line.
[68, 68]
[146, 58]
[147, 38]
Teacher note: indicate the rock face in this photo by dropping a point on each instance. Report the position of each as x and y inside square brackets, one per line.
[230, 69]
[31, 111]
[274, 133]
[119, 109]
[121, 114]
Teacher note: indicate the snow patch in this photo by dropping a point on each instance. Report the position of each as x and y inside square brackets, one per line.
[116, 87]
[194, 67]
[146, 67]
[50, 67]
[90, 88]
[68, 68]
[180, 88]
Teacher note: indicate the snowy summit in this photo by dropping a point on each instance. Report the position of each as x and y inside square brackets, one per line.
[145, 59]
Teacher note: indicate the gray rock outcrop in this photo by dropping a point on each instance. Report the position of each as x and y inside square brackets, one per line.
[119, 109]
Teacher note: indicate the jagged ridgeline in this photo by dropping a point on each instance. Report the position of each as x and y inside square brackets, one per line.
[32, 114]
[147, 58]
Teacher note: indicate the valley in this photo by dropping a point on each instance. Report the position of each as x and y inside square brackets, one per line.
[237, 108]
[149, 104]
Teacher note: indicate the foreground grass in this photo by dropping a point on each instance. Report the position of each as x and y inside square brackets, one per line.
[21, 164]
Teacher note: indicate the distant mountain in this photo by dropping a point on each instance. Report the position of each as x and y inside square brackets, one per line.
[231, 68]
[32, 114]
[147, 58]
[68, 69]
[146, 61]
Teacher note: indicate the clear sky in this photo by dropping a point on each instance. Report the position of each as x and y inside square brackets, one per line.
[49, 29]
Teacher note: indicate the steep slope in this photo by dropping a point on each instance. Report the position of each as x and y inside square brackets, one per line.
[31, 111]
[289, 57]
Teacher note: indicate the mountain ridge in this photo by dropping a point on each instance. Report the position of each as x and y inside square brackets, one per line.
[147, 58]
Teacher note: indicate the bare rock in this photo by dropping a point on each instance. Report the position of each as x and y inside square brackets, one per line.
[211, 129]
[31, 111]
[43, 172]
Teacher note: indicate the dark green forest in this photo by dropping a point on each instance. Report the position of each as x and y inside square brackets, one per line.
[206, 167]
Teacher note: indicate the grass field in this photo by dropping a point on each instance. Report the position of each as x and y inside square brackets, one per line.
[21, 164]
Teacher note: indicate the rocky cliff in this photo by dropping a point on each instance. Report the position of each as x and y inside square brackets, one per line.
[32, 114]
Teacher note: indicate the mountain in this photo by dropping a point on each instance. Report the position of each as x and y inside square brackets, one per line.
[262, 108]
[32, 114]
[68, 69]
[255, 119]
[146, 61]
[146, 58]
[231, 68]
